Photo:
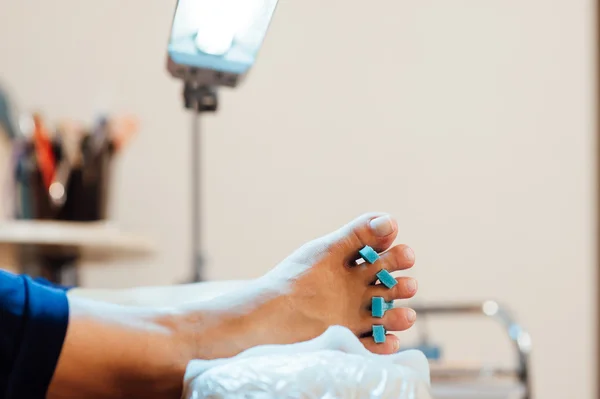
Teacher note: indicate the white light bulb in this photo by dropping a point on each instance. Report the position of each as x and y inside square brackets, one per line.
[214, 38]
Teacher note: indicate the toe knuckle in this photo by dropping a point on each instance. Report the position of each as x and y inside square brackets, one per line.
[398, 290]
[398, 253]
[392, 319]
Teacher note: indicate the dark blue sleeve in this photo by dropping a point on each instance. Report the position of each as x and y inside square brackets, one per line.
[33, 325]
[43, 281]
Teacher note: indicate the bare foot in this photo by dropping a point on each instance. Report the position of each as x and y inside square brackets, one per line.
[329, 289]
[318, 286]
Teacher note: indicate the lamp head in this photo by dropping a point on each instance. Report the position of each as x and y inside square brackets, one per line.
[216, 42]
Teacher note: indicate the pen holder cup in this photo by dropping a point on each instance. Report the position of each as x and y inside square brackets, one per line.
[86, 192]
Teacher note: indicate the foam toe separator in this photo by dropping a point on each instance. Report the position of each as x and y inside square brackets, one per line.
[386, 279]
[378, 334]
[379, 306]
[368, 254]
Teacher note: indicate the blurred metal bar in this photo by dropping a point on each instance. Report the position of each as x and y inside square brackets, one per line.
[597, 193]
[199, 99]
[197, 256]
[520, 339]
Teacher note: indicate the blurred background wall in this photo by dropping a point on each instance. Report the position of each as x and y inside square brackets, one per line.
[472, 122]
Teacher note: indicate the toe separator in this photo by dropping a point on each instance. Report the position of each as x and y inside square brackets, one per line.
[379, 334]
[368, 254]
[379, 306]
[386, 278]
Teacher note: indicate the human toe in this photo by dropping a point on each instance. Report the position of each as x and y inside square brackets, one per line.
[377, 231]
[398, 319]
[391, 345]
[400, 257]
[405, 288]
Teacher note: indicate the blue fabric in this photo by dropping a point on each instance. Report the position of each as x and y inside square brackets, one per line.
[33, 325]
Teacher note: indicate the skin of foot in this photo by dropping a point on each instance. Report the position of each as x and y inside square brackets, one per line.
[114, 351]
[326, 287]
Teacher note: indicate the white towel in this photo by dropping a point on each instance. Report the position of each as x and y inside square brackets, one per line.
[334, 365]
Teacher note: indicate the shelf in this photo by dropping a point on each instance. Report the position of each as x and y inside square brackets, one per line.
[96, 239]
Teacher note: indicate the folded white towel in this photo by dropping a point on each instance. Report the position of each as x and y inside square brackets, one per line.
[334, 365]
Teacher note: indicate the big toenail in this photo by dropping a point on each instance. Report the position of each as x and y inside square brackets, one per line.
[382, 226]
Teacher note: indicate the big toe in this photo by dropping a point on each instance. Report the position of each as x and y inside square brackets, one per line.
[377, 230]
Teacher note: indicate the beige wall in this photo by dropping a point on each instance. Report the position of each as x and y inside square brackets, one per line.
[470, 121]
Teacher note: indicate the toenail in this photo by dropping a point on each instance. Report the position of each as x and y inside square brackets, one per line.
[409, 254]
[411, 315]
[411, 286]
[396, 346]
[382, 226]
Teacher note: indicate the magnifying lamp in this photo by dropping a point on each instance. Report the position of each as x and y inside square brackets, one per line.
[213, 43]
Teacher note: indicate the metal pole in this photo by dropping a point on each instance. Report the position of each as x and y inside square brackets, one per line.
[199, 99]
[197, 259]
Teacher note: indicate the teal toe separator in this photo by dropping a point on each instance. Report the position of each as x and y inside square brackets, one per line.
[368, 254]
[386, 278]
[379, 334]
[379, 306]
